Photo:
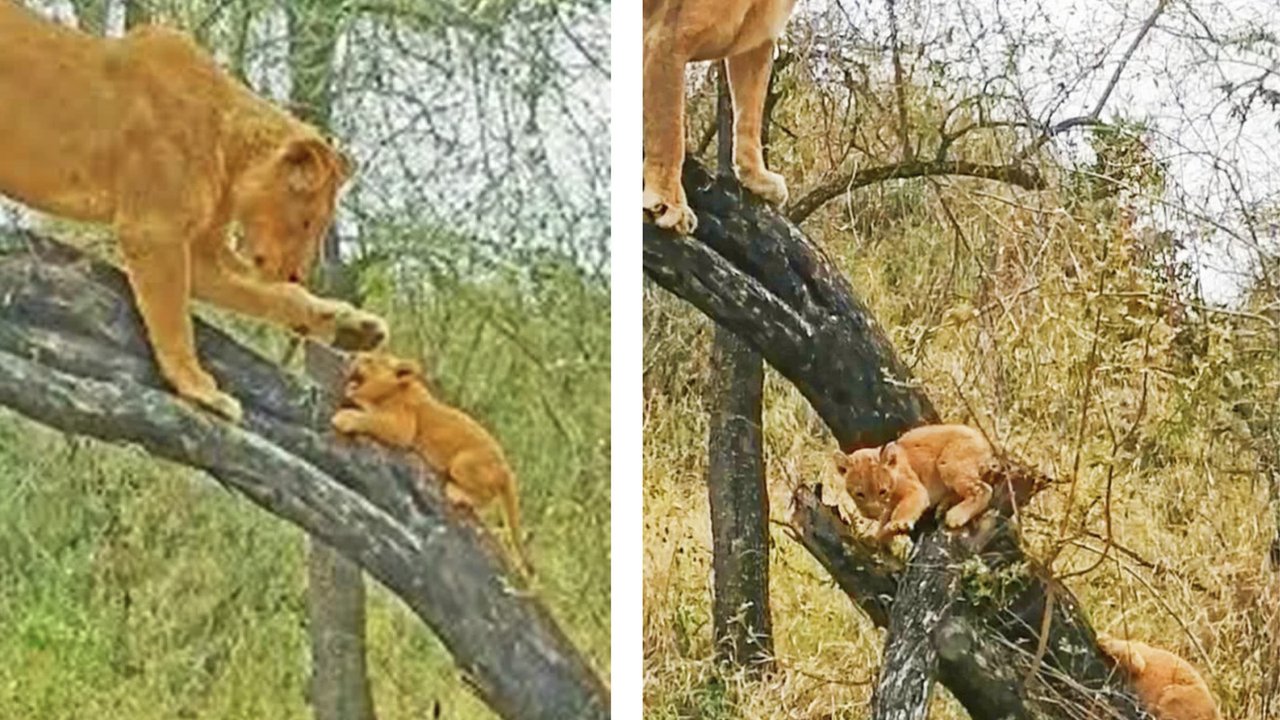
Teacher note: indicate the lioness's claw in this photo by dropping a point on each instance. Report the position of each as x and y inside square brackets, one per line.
[670, 214]
[769, 185]
[359, 330]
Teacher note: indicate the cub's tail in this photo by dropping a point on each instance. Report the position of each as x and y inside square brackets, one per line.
[511, 507]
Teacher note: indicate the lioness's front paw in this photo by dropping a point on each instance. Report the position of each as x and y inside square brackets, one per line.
[355, 329]
[217, 402]
[769, 185]
[346, 421]
[670, 214]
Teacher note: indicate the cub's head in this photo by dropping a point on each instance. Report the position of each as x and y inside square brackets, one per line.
[865, 480]
[374, 377]
[285, 203]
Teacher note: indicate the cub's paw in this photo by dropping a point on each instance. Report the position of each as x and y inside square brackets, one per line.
[896, 527]
[672, 215]
[769, 185]
[959, 516]
[355, 329]
[346, 421]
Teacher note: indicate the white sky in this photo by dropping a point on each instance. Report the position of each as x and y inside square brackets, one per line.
[1169, 83]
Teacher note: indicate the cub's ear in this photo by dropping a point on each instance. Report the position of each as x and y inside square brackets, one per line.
[303, 161]
[889, 453]
[840, 459]
[407, 370]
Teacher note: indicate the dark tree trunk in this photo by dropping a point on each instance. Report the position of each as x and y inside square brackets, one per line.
[741, 622]
[92, 15]
[73, 355]
[339, 687]
[755, 273]
[136, 12]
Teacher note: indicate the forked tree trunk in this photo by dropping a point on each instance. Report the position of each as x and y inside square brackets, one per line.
[741, 623]
[973, 599]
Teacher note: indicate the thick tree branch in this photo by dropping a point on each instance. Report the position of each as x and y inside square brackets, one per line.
[1023, 176]
[72, 356]
[755, 273]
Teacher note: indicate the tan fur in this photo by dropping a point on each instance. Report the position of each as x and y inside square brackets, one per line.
[1169, 687]
[677, 32]
[928, 466]
[146, 133]
[394, 407]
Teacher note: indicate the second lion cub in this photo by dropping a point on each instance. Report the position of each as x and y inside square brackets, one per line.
[1169, 687]
[394, 407]
[928, 466]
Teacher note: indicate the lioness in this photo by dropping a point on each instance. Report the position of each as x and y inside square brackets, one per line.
[677, 32]
[928, 466]
[394, 407]
[148, 134]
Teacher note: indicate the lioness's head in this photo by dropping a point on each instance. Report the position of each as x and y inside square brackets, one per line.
[865, 480]
[284, 205]
[374, 377]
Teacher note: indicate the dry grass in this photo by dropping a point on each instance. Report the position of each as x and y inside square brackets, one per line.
[1048, 328]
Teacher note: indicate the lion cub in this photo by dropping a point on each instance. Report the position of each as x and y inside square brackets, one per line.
[677, 32]
[394, 407]
[1167, 685]
[928, 466]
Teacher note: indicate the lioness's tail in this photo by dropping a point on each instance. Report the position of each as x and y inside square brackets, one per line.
[511, 506]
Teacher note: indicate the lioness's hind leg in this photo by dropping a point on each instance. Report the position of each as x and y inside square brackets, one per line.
[664, 196]
[159, 272]
[964, 478]
[748, 84]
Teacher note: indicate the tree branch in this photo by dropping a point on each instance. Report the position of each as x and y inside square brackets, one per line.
[73, 356]
[756, 274]
[1023, 176]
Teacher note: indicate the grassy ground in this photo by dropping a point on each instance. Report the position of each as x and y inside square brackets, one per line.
[999, 335]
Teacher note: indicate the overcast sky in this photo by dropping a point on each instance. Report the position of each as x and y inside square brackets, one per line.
[1217, 163]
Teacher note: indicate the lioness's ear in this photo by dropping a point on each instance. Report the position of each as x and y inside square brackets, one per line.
[305, 168]
[407, 370]
[343, 163]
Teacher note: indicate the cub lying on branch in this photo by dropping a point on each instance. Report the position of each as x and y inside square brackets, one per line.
[146, 133]
[394, 407]
[926, 467]
[1168, 686]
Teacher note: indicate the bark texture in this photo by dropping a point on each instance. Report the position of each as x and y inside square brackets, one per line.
[741, 621]
[73, 356]
[971, 602]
